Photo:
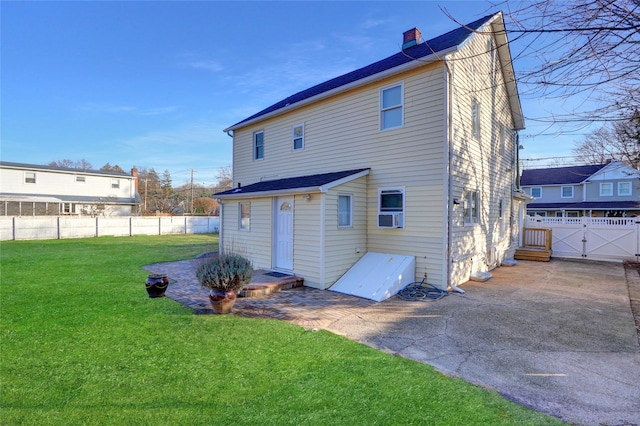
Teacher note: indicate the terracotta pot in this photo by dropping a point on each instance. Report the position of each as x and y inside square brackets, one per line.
[157, 284]
[222, 301]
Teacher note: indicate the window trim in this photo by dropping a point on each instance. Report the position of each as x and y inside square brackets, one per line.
[30, 177]
[562, 191]
[469, 217]
[350, 212]
[531, 192]
[294, 138]
[609, 193]
[241, 227]
[476, 128]
[115, 183]
[625, 194]
[383, 109]
[255, 145]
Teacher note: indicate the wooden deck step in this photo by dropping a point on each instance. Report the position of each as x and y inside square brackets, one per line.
[535, 254]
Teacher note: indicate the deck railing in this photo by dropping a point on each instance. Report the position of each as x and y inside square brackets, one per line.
[536, 238]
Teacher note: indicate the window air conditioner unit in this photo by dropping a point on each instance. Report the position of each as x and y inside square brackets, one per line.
[390, 220]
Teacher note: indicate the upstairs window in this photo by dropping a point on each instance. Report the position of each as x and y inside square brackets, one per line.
[475, 119]
[298, 137]
[624, 188]
[391, 107]
[567, 192]
[29, 177]
[471, 207]
[536, 192]
[391, 200]
[244, 214]
[81, 179]
[115, 183]
[606, 189]
[344, 211]
[258, 145]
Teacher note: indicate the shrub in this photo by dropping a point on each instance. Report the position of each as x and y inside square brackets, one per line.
[225, 273]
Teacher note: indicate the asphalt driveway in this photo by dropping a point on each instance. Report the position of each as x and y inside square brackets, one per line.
[558, 337]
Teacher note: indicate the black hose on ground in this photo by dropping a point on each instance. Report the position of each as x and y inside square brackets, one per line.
[422, 291]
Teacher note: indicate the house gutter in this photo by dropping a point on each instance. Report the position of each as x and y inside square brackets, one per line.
[294, 191]
[449, 92]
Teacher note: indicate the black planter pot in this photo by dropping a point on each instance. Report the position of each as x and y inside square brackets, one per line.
[157, 284]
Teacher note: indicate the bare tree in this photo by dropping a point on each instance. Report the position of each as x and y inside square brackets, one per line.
[225, 179]
[615, 141]
[109, 168]
[71, 164]
[584, 48]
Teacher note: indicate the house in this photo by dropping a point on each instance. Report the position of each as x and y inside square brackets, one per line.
[412, 157]
[598, 190]
[32, 190]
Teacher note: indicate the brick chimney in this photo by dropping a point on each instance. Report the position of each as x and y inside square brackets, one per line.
[410, 38]
[134, 173]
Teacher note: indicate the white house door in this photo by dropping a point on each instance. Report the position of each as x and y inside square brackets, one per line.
[284, 234]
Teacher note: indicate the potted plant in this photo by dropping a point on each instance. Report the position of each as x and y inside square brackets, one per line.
[156, 284]
[224, 275]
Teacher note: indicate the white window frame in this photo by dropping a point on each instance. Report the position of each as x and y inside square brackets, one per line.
[244, 222]
[385, 109]
[30, 177]
[471, 207]
[625, 193]
[115, 183]
[81, 179]
[67, 208]
[562, 188]
[606, 193]
[255, 145]
[538, 188]
[349, 213]
[297, 137]
[476, 128]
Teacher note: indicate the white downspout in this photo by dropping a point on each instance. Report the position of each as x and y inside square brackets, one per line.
[220, 227]
[449, 92]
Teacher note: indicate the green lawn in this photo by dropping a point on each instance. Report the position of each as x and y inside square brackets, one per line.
[81, 343]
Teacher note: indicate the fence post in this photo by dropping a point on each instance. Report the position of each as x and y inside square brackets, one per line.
[58, 226]
[13, 222]
[97, 226]
[159, 225]
[185, 224]
[131, 226]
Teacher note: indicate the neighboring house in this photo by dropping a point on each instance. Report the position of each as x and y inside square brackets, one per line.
[413, 155]
[600, 190]
[31, 190]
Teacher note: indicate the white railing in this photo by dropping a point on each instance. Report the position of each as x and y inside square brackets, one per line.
[541, 221]
[57, 227]
[597, 238]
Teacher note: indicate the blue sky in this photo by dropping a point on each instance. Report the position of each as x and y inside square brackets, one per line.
[153, 84]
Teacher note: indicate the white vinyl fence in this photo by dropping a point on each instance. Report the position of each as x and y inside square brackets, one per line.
[596, 238]
[56, 227]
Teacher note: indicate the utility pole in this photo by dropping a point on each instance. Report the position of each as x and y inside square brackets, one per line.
[191, 208]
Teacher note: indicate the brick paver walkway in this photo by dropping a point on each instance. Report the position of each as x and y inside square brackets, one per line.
[304, 306]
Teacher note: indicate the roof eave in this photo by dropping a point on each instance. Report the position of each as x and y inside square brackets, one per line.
[434, 57]
[504, 53]
[273, 193]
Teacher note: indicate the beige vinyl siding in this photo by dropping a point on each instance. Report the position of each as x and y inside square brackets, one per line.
[255, 243]
[343, 133]
[481, 165]
[341, 244]
[307, 239]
